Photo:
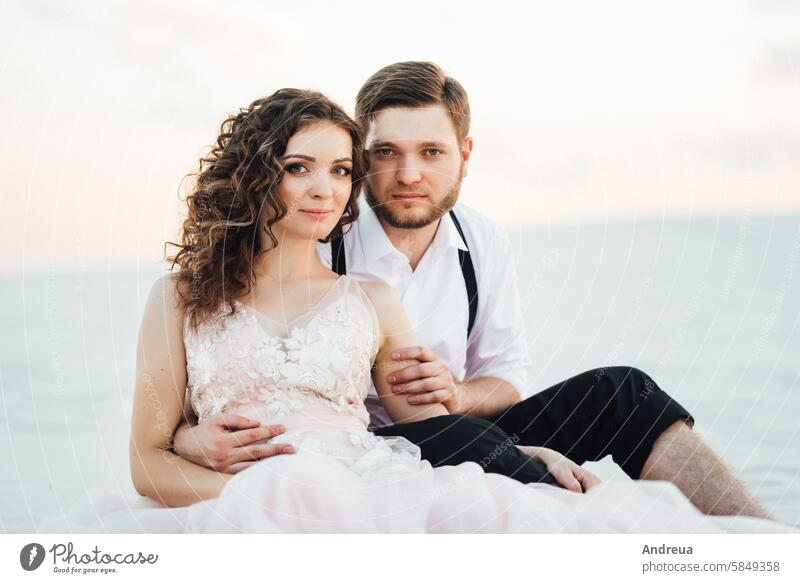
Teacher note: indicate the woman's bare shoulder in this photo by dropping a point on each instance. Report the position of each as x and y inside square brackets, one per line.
[166, 284]
[164, 296]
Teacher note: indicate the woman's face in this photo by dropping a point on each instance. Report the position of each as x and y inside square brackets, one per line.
[317, 181]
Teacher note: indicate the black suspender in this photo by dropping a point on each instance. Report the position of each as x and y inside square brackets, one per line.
[468, 271]
[338, 259]
[339, 265]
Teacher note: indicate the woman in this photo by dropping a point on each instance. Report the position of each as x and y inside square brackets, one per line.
[254, 324]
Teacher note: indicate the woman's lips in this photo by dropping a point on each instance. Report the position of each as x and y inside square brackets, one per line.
[316, 214]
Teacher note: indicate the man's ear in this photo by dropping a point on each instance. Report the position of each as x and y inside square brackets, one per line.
[466, 152]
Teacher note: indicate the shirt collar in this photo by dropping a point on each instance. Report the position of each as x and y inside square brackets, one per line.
[447, 234]
[375, 242]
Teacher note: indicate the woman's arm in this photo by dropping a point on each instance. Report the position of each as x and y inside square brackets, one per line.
[396, 332]
[158, 402]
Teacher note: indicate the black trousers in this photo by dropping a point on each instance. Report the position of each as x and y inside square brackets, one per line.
[616, 410]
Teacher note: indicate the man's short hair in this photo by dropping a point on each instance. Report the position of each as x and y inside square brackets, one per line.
[413, 84]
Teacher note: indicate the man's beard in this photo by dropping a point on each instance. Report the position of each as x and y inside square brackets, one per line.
[435, 210]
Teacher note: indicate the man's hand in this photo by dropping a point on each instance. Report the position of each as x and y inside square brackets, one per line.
[228, 443]
[429, 381]
[567, 473]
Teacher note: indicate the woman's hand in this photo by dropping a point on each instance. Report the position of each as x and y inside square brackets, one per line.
[567, 473]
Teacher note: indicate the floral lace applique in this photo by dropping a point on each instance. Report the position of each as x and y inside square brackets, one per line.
[232, 360]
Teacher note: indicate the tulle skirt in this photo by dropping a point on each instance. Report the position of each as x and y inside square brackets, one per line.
[347, 480]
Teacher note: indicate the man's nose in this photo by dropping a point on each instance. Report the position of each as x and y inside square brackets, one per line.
[407, 173]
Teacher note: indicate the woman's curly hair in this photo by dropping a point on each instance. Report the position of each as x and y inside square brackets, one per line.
[235, 183]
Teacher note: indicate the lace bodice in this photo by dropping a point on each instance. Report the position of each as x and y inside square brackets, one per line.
[322, 358]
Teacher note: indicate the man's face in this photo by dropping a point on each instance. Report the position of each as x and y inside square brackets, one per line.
[416, 165]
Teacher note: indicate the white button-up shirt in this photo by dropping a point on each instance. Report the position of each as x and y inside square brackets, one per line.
[435, 295]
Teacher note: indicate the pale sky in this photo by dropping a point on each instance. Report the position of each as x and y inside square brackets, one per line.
[581, 110]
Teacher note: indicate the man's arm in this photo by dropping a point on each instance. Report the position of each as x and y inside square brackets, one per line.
[497, 356]
[497, 364]
[430, 381]
[484, 397]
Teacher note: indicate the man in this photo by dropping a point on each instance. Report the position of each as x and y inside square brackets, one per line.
[453, 269]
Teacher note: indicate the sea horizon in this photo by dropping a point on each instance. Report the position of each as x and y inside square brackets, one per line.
[708, 306]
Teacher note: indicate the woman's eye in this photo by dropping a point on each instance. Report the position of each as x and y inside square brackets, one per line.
[296, 169]
[341, 171]
[384, 151]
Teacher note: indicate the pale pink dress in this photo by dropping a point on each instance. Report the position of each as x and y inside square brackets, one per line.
[312, 376]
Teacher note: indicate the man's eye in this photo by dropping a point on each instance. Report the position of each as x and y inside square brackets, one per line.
[384, 151]
[433, 151]
[342, 171]
[296, 169]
